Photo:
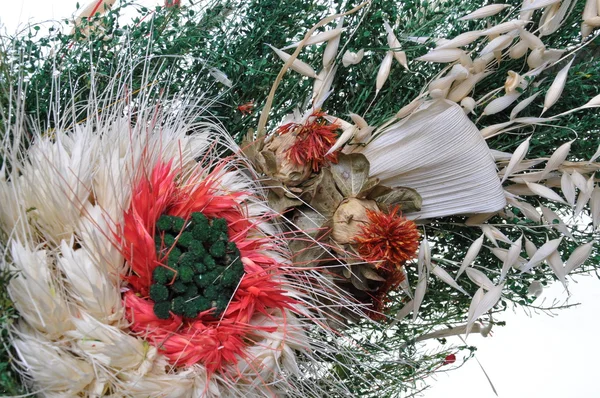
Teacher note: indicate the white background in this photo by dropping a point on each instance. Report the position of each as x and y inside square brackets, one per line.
[542, 356]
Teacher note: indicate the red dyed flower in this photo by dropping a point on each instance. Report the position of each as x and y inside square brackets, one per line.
[450, 359]
[314, 138]
[213, 341]
[388, 239]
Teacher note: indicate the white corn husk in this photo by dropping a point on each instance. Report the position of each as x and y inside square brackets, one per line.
[299, 66]
[483, 12]
[462, 157]
[352, 58]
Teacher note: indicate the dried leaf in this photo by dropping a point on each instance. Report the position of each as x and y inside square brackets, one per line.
[384, 71]
[486, 303]
[407, 198]
[505, 27]
[324, 196]
[545, 192]
[568, 188]
[446, 278]
[522, 105]
[352, 58]
[559, 225]
[557, 87]
[419, 295]
[461, 40]
[578, 257]
[371, 275]
[511, 257]
[473, 306]
[318, 38]
[350, 173]
[483, 12]
[501, 103]
[299, 66]
[542, 253]
[479, 278]
[471, 255]
[444, 55]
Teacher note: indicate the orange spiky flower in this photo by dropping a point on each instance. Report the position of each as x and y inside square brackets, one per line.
[314, 138]
[388, 239]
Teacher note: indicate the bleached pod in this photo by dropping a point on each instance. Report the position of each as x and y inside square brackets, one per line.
[461, 177]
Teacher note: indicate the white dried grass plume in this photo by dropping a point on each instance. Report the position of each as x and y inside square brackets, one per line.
[439, 152]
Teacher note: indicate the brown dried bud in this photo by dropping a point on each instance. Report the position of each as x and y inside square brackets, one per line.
[285, 170]
[349, 218]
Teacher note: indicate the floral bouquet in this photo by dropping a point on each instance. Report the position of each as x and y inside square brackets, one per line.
[157, 246]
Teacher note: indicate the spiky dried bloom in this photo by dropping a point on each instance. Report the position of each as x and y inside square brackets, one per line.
[388, 240]
[312, 141]
[80, 213]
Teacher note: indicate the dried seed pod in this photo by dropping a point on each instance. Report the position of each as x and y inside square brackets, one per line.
[513, 80]
[349, 218]
[483, 12]
[351, 58]
[518, 50]
[384, 71]
[445, 55]
[299, 66]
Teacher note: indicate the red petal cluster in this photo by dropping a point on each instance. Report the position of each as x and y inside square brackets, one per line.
[388, 239]
[212, 342]
[314, 138]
